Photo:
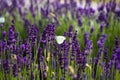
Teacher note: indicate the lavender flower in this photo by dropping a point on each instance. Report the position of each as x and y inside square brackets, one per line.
[64, 56]
[22, 47]
[102, 17]
[15, 70]
[80, 22]
[117, 14]
[48, 34]
[27, 48]
[6, 66]
[101, 8]
[40, 58]
[11, 35]
[3, 45]
[96, 63]
[86, 38]
[101, 27]
[108, 8]
[113, 5]
[31, 76]
[92, 29]
[3, 34]
[118, 66]
[80, 12]
[32, 10]
[33, 34]
[70, 31]
[117, 42]
[44, 12]
[45, 75]
[101, 41]
[19, 64]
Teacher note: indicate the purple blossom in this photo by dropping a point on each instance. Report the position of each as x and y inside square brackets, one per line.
[45, 75]
[118, 66]
[32, 10]
[32, 76]
[40, 57]
[44, 12]
[6, 66]
[117, 14]
[19, 62]
[101, 27]
[15, 70]
[92, 29]
[22, 47]
[4, 34]
[48, 34]
[80, 22]
[70, 31]
[80, 12]
[27, 47]
[64, 56]
[108, 7]
[113, 5]
[86, 38]
[3, 45]
[33, 34]
[101, 41]
[96, 62]
[101, 8]
[102, 17]
[11, 35]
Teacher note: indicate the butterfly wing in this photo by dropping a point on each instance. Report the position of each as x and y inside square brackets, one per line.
[2, 19]
[60, 39]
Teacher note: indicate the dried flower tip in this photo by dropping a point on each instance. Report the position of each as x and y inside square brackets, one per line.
[14, 56]
[62, 1]
[88, 66]
[76, 1]
[47, 68]
[71, 69]
[53, 73]
[48, 57]
[52, 14]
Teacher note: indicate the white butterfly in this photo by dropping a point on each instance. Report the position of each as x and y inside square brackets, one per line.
[2, 19]
[60, 39]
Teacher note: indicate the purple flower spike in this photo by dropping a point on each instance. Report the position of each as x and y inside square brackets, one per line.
[48, 34]
[40, 57]
[23, 47]
[101, 41]
[80, 22]
[32, 76]
[101, 28]
[33, 34]
[4, 34]
[70, 31]
[15, 70]
[102, 17]
[28, 47]
[11, 35]
[101, 8]
[6, 66]
[92, 29]
[118, 66]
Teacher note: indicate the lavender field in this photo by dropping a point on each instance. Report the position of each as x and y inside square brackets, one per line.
[59, 40]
